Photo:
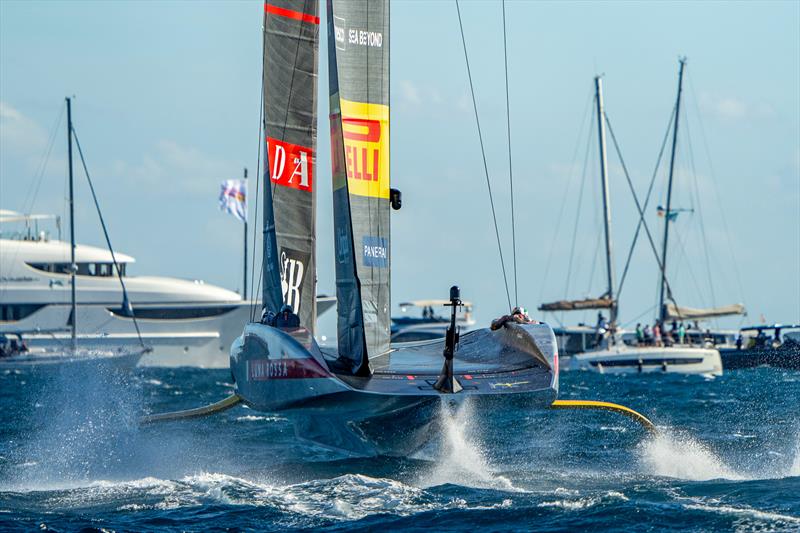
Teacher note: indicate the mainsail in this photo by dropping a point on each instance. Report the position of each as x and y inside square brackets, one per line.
[578, 305]
[358, 59]
[674, 312]
[291, 47]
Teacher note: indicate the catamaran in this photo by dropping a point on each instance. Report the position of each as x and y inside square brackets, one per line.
[612, 354]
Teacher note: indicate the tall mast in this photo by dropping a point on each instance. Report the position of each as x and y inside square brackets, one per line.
[661, 306]
[73, 267]
[244, 282]
[601, 132]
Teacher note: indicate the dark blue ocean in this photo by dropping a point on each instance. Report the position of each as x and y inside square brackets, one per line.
[73, 457]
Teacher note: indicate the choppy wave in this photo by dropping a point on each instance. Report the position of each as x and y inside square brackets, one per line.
[73, 456]
[682, 456]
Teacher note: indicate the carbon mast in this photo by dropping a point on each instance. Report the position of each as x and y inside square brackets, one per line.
[72, 266]
[661, 305]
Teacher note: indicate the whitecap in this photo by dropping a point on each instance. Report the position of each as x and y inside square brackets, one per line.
[681, 456]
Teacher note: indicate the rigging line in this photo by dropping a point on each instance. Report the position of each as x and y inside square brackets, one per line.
[639, 208]
[578, 210]
[261, 129]
[716, 191]
[646, 201]
[510, 171]
[255, 215]
[700, 213]
[108, 239]
[30, 199]
[36, 184]
[483, 155]
[571, 175]
[594, 264]
[640, 315]
[685, 256]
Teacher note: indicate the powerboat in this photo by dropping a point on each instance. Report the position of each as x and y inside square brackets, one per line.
[429, 326]
[754, 347]
[186, 322]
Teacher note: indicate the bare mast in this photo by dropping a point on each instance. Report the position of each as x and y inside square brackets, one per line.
[72, 266]
[664, 288]
[601, 132]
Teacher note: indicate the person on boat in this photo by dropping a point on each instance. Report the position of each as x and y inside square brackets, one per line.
[518, 315]
[639, 334]
[657, 333]
[761, 339]
[267, 317]
[287, 318]
[739, 341]
[681, 333]
[425, 313]
[602, 327]
[648, 335]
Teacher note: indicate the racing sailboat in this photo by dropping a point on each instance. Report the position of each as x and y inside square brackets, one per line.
[367, 395]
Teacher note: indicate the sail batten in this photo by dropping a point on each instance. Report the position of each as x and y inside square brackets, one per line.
[358, 58]
[291, 50]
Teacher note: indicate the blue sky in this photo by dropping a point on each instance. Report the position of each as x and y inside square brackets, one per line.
[167, 103]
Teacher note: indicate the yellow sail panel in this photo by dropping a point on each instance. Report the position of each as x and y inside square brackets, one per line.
[365, 130]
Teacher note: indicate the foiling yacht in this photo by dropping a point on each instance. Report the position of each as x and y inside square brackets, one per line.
[187, 323]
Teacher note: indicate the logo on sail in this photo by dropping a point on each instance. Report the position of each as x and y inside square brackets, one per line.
[376, 251]
[291, 165]
[365, 132]
[338, 32]
[293, 270]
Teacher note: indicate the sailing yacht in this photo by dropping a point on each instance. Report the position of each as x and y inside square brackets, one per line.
[366, 395]
[612, 354]
[69, 350]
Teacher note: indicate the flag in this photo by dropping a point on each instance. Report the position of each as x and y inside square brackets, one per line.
[660, 211]
[233, 198]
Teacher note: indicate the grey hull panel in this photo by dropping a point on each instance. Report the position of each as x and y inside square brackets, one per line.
[394, 410]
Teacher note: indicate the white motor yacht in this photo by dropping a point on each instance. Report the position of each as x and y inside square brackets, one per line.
[187, 323]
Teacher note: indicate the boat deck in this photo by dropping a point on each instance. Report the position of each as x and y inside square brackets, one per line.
[478, 352]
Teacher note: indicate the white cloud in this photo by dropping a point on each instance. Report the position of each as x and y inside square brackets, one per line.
[18, 133]
[176, 168]
[734, 108]
[731, 108]
[410, 92]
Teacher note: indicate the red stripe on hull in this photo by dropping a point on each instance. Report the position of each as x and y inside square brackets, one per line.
[288, 13]
[268, 369]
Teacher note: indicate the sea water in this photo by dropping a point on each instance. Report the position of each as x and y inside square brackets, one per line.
[726, 457]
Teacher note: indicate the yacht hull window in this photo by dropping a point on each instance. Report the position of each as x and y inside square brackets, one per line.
[15, 312]
[174, 313]
[103, 270]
